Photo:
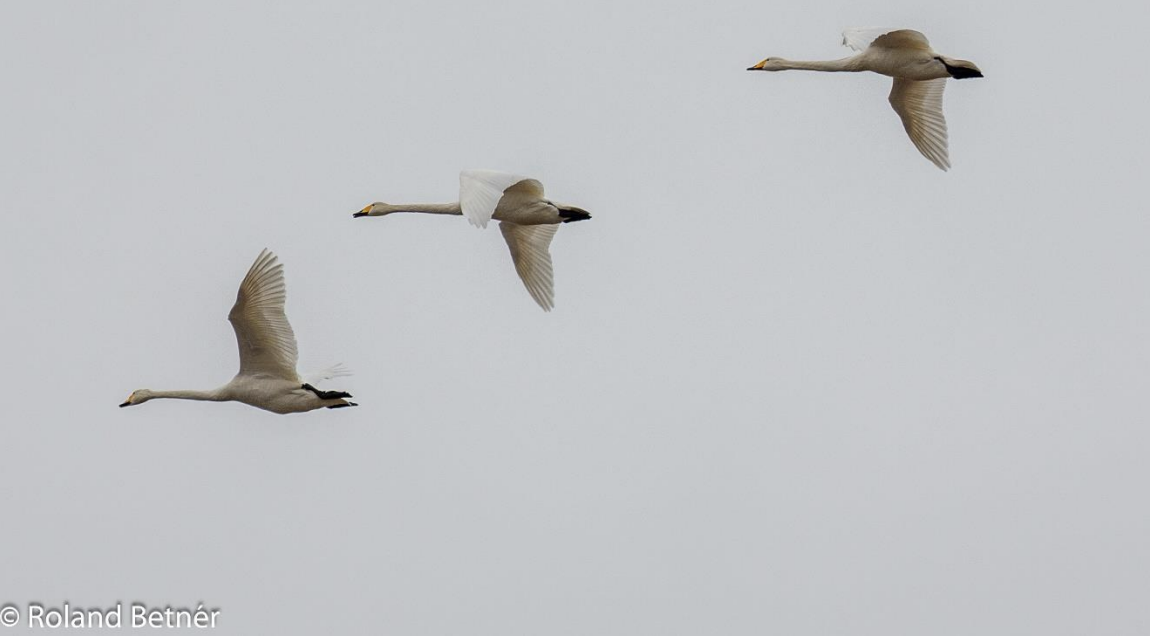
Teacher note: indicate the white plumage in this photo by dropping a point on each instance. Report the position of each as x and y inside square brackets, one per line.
[267, 378]
[266, 340]
[919, 75]
[527, 220]
[859, 38]
[480, 192]
[530, 251]
[919, 105]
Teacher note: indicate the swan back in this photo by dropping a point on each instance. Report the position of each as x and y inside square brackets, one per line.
[265, 338]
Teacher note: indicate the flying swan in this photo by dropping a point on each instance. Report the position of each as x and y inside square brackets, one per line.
[919, 78]
[267, 378]
[527, 220]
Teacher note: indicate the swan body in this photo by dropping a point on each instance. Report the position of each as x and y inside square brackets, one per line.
[527, 220]
[919, 73]
[267, 378]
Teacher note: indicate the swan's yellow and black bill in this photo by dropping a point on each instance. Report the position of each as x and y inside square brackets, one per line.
[362, 212]
[127, 402]
[757, 67]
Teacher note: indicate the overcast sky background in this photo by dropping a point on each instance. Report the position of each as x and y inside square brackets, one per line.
[798, 380]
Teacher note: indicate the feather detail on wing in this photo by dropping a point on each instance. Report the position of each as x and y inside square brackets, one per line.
[481, 190]
[330, 373]
[860, 39]
[530, 251]
[919, 104]
[265, 338]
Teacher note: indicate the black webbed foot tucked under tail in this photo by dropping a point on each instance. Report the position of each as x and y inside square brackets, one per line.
[570, 215]
[341, 406]
[326, 395]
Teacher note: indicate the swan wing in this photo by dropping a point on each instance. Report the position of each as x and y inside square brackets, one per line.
[919, 104]
[330, 373]
[530, 251]
[860, 39]
[266, 341]
[481, 190]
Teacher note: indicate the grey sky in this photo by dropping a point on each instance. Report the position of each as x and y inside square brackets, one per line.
[798, 381]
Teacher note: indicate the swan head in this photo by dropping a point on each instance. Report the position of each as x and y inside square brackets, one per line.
[374, 209]
[770, 64]
[138, 397]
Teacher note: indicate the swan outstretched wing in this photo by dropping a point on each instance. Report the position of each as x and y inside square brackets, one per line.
[481, 190]
[861, 38]
[919, 104]
[266, 341]
[330, 373]
[858, 38]
[530, 251]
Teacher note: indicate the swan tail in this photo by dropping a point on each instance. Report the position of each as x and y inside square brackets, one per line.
[960, 69]
[571, 214]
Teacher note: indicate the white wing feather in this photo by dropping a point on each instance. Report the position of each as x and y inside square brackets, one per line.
[330, 373]
[265, 338]
[859, 38]
[480, 191]
[530, 251]
[919, 104]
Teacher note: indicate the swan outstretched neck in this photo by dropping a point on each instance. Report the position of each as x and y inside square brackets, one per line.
[527, 220]
[919, 74]
[381, 209]
[143, 395]
[267, 378]
[844, 65]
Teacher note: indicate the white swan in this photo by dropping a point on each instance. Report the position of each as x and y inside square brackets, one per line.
[267, 377]
[919, 78]
[527, 220]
